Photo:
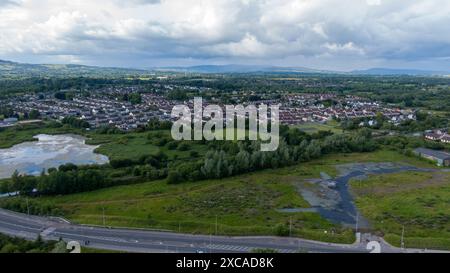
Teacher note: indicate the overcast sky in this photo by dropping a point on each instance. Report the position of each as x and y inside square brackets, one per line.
[326, 34]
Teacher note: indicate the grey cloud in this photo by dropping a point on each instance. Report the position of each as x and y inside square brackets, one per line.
[260, 31]
[7, 3]
[137, 2]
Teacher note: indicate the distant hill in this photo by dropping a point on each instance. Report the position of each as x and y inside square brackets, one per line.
[301, 70]
[13, 70]
[387, 71]
[233, 68]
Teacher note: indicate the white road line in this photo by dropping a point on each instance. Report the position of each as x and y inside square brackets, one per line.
[48, 231]
[228, 247]
[21, 226]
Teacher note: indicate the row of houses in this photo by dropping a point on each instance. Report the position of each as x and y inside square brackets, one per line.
[104, 107]
[296, 115]
[298, 108]
[438, 135]
[97, 110]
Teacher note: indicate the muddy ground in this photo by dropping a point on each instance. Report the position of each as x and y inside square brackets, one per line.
[331, 198]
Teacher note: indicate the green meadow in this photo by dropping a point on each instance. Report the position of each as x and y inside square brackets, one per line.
[415, 201]
[249, 204]
[314, 127]
[242, 205]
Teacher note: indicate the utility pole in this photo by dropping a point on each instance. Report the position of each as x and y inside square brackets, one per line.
[210, 242]
[290, 226]
[104, 220]
[216, 225]
[28, 207]
[403, 236]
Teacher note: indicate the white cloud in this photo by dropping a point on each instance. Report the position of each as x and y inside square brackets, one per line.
[249, 46]
[373, 2]
[253, 30]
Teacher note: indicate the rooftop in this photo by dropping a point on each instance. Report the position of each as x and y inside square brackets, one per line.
[437, 154]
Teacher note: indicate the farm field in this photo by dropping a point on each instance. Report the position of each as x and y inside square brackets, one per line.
[417, 201]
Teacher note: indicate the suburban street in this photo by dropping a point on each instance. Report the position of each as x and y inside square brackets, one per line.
[133, 240]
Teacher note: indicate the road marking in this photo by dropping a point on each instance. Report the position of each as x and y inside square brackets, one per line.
[229, 247]
[110, 239]
[48, 231]
[20, 226]
[244, 248]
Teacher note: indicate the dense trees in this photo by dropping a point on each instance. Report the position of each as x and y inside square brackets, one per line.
[68, 179]
[17, 245]
[185, 172]
[109, 130]
[158, 160]
[65, 182]
[229, 158]
[34, 114]
[216, 165]
[424, 121]
[75, 122]
[31, 206]
[133, 98]
[156, 124]
[64, 95]
[405, 144]
[6, 111]
[177, 95]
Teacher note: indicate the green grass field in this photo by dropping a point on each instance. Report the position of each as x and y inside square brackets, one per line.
[314, 127]
[244, 205]
[134, 145]
[249, 204]
[418, 201]
[115, 146]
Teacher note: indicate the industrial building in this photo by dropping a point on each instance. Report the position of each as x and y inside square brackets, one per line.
[440, 157]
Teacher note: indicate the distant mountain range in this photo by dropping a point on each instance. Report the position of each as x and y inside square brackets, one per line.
[233, 68]
[387, 71]
[10, 69]
[300, 70]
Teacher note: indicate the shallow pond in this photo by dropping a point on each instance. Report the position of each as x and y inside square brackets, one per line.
[49, 151]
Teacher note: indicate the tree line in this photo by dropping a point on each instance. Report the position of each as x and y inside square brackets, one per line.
[230, 159]
[223, 159]
[18, 245]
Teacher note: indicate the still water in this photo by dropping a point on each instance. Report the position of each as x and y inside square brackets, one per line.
[48, 152]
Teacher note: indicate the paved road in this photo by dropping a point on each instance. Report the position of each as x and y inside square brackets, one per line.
[29, 227]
